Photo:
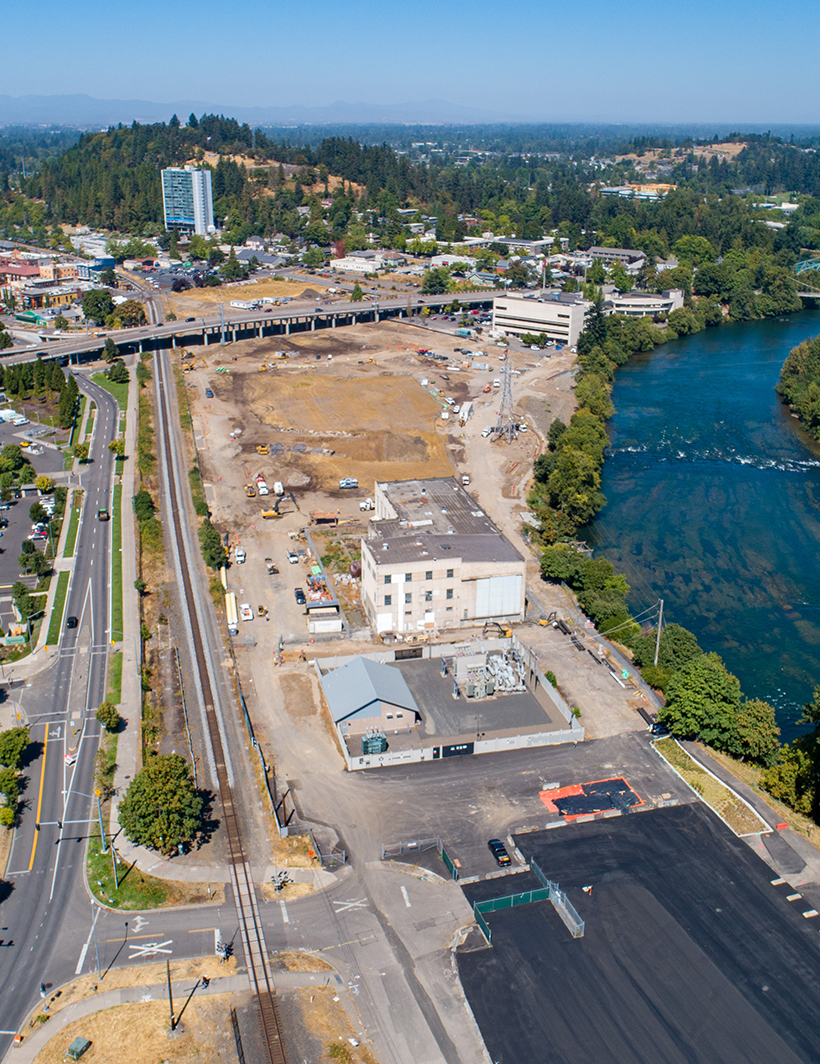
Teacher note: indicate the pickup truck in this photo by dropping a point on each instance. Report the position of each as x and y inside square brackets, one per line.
[272, 569]
[245, 612]
[240, 555]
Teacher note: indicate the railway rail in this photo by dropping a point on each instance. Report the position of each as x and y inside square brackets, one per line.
[249, 921]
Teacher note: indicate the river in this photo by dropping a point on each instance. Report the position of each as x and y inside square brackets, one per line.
[713, 503]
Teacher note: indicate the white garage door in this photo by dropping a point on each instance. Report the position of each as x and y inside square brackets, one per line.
[498, 596]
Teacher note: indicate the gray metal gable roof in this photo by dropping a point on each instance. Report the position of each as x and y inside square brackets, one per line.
[355, 688]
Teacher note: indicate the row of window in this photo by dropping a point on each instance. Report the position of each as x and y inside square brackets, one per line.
[408, 577]
[408, 598]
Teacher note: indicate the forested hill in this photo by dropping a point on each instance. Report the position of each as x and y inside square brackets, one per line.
[111, 179]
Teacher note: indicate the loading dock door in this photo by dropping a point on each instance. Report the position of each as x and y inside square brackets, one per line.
[498, 596]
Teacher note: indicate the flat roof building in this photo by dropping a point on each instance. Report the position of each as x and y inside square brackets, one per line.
[559, 315]
[187, 199]
[643, 304]
[433, 559]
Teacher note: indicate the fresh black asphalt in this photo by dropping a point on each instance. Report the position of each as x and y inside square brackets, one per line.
[691, 954]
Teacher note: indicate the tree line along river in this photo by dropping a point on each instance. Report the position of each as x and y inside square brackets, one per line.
[713, 503]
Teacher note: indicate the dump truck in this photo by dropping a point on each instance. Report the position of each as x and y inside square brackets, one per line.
[262, 485]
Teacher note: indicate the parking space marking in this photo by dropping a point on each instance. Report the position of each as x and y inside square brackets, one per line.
[793, 897]
[284, 909]
[406, 896]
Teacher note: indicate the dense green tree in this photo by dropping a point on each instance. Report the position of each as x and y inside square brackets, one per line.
[118, 373]
[213, 552]
[793, 777]
[5, 340]
[110, 350]
[131, 312]
[702, 702]
[161, 808]
[97, 304]
[108, 715]
[108, 277]
[592, 392]
[756, 736]
[356, 295]
[81, 451]
[436, 281]
[13, 744]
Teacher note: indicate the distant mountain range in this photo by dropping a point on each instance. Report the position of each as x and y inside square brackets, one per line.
[88, 112]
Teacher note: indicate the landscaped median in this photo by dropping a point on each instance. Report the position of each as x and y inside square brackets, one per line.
[55, 625]
[731, 809]
[116, 565]
[73, 525]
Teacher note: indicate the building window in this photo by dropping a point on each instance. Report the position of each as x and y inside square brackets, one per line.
[388, 600]
[389, 716]
[450, 574]
[408, 577]
[428, 575]
[388, 579]
[428, 596]
[408, 599]
[449, 592]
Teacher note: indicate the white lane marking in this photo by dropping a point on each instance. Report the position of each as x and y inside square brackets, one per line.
[343, 906]
[406, 896]
[150, 949]
[793, 897]
[810, 912]
[84, 950]
[284, 909]
[778, 882]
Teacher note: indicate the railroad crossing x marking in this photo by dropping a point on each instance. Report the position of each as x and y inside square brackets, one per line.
[343, 906]
[150, 949]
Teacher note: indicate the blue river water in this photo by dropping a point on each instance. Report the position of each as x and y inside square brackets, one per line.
[713, 503]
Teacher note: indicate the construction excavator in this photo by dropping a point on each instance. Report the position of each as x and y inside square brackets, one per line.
[494, 626]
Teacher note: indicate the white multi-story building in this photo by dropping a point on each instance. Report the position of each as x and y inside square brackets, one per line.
[187, 199]
[559, 315]
[643, 304]
[433, 559]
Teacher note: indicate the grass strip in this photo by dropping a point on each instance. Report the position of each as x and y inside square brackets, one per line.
[73, 529]
[116, 566]
[55, 625]
[114, 678]
[78, 420]
[119, 391]
[718, 797]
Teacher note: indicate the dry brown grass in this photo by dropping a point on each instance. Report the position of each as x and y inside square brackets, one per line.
[140, 1033]
[296, 961]
[325, 1017]
[185, 303]
[737, 815]
[87, 986]
[288, 893]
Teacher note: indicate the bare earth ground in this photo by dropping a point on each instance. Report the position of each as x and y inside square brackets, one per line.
[184, 304]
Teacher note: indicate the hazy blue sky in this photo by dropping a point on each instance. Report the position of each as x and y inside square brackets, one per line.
[599, 60]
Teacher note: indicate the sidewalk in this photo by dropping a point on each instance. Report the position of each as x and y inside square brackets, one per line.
[795, 856]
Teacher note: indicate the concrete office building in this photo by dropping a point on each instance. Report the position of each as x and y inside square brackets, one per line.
[433, 560]
[187, 200]
[643, 304]
[559, 315]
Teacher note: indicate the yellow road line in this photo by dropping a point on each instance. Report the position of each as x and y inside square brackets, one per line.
[39, 799]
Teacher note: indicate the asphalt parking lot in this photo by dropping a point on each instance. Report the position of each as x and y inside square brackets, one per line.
[691, 953]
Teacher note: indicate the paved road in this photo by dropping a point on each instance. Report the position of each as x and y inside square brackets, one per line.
[46, 866]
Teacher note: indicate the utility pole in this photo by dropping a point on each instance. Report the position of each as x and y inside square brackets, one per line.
[505, 425]
[658, 637]
[222, 319]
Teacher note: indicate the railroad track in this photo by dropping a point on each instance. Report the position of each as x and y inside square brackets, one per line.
[253, 938]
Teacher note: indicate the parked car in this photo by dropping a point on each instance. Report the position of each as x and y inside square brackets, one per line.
[299, 595]
[499, 852]
[208, 393]
[240, 555]
[348, 482]
[245, 612]
[293, 557]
